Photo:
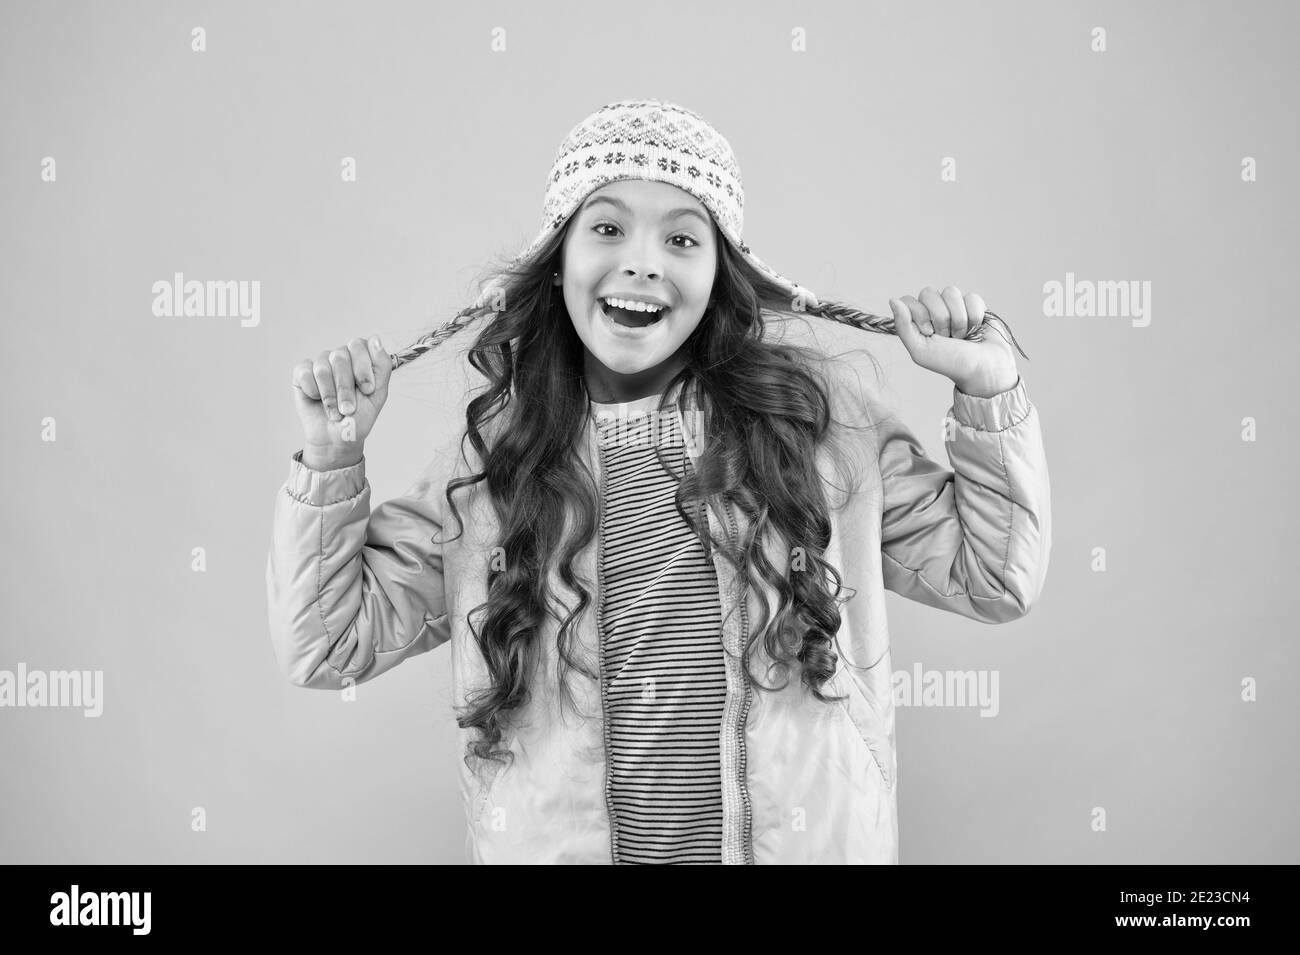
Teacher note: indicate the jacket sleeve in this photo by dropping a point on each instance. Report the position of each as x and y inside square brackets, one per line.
[974, 540]
[350, 593]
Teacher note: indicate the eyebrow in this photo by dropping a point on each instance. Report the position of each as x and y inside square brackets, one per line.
[670, 214]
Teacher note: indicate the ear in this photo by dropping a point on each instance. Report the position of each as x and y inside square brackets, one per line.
[556, 279]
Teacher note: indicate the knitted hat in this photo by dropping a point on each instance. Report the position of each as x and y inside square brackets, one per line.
[659, 142]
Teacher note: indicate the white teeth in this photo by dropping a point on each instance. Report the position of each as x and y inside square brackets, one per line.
[633, 306]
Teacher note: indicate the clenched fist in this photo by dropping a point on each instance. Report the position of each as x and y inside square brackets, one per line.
[338, 395]
[934, 329]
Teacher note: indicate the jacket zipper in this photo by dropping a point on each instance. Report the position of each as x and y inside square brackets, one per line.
[747, 823]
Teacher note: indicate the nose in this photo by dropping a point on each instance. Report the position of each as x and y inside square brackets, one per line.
[649, 274]
[643, 261]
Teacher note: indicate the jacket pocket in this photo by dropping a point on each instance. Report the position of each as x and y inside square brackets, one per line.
[863, 717]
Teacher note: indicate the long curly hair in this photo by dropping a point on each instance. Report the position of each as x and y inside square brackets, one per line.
[765, 412]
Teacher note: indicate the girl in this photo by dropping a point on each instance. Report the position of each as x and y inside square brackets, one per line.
[661, 563]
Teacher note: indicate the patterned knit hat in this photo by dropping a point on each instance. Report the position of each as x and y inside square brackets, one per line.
[659, 142]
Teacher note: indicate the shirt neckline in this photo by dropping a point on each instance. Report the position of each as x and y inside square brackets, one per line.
[637, 405]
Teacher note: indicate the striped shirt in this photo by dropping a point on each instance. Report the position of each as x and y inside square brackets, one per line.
[662, 663]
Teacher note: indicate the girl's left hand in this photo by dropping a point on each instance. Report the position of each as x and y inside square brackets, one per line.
[934, 329]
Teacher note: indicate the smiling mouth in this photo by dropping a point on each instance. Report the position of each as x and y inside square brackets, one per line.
[632, 319]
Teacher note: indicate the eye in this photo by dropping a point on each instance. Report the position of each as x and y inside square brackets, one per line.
[610, 225]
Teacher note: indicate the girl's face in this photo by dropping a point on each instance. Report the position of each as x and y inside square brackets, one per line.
[638, 241]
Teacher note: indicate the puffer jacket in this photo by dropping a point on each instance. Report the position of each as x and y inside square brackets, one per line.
[355, 590]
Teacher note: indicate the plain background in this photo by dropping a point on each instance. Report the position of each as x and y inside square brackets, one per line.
[1120, 690]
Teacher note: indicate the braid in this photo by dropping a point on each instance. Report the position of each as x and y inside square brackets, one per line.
[439, 334]
[833, 311]
[848, 315]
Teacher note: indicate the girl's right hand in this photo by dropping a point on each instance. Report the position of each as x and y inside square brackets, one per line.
[339, 394]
